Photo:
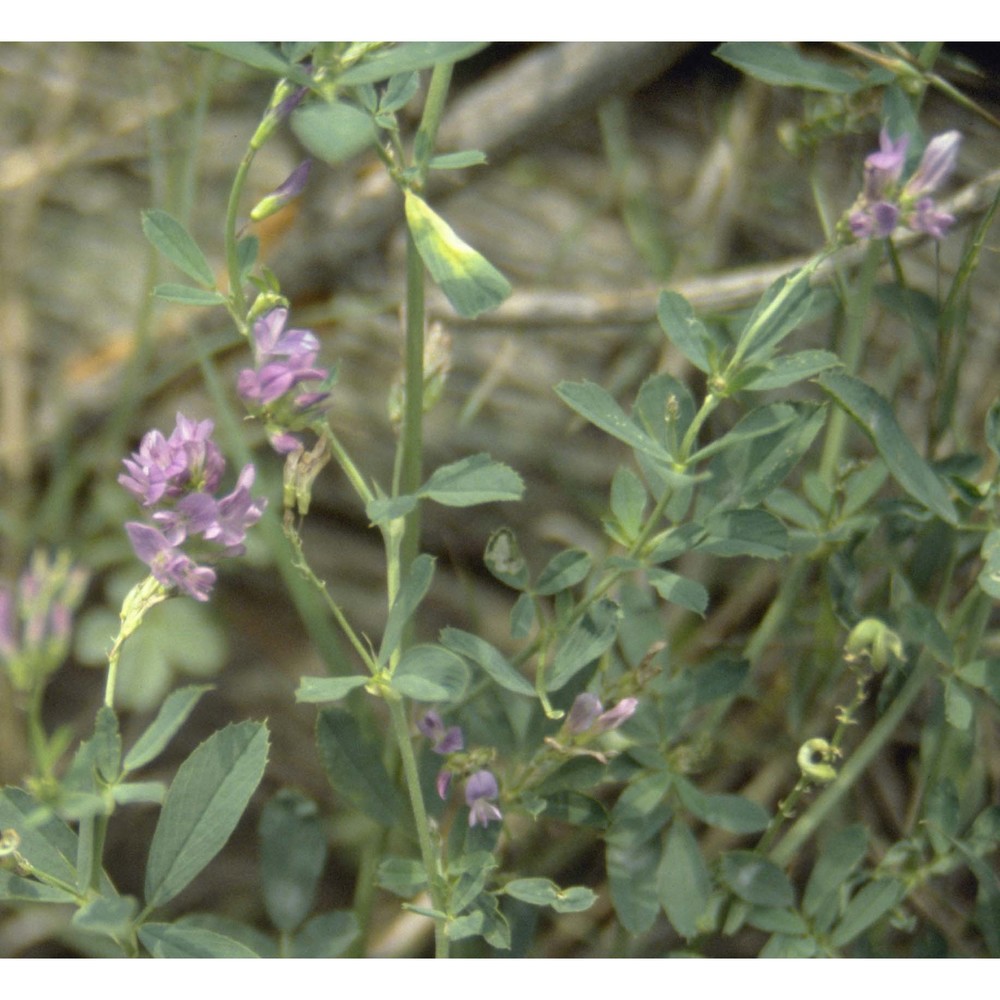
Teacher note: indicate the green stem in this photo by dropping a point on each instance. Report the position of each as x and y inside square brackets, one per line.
[850, 354]
[750, 335]
[346, 463]
[401, 731]
[410, 457]
[411, 443]
[707, 408]
[301, 563]
[437, 93]
[881, 732]
[237, 298]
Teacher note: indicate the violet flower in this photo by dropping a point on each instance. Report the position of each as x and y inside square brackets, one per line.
[480, 789]
[36, 618]
[587, 714]
[168, 564]
[178, 477]
[443, 741]
[883, 204]
[276, 388]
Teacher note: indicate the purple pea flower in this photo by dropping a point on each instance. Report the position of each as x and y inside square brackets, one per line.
[883, 169]
[8, 638]
[442, 784]
[584, 712]
[168, 564]
[275, 388]
[587, 714]
[614, 717]
[179, 476]
[443, 741]
[883, 204]
[935, 165]
[480, 790]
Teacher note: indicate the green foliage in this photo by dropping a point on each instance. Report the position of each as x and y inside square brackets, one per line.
[683, 880]
[202, 807]
[177, 245]
[355, 769]
[470, 282]
[782, 66]
[431, 673]
[293, 852]
[177, 941]
[693, 697]
[875, 417]
[333, 132]
[406, 57]
[172, 715]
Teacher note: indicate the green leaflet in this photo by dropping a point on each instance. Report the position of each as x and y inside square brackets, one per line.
[177, 245]
[471, 283]
[431, 673]
[293, 850]
[683, 881]
[782, 66]
[875, 417]
[172, 715]
[177, 941]
[353, 763]
[333, 131]
[405, 57]
[204, 804]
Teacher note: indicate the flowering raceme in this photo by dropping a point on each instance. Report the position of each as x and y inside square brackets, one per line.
[275, 389]
[883, 204]
[480, 787]
[36, 618]
[177, 478]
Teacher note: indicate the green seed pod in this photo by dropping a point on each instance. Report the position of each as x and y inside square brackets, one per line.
[873, 640]
[814, 760]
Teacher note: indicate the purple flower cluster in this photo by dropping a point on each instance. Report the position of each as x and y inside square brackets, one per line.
[177, 478]
[883, 204]
[481, 786]
[587, 714]
[276, 388]
[36, 617]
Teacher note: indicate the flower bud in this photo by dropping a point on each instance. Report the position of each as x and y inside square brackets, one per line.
[873, 640]
[288, 190]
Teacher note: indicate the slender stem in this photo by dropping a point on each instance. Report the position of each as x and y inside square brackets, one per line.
[789, 592]
[707, 408]
[850, 354]
[881, 732]
[300, 562]
[411, 443]
[236, 296]
[346, 463]
[401, 731]
[437, 93]
[410, 465]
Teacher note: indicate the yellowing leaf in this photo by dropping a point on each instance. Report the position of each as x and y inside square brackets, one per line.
[471, 283]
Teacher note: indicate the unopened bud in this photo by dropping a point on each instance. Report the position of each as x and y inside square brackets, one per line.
[873, 640]
[291, 188]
